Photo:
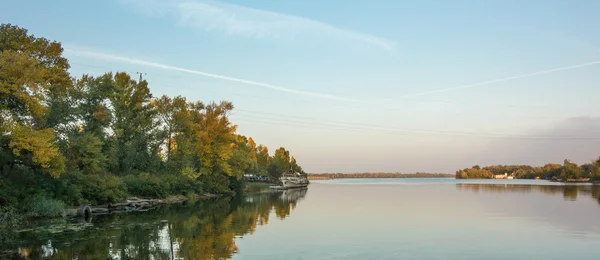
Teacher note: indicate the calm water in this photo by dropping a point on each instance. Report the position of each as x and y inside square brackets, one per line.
[346, 219]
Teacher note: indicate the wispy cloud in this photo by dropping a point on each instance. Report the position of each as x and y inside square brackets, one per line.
[111, 57]
[484, 83]
[238, 20]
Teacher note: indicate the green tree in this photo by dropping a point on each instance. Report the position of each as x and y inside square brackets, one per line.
[135, 147]
[241, 160]
[262, 159]
[295, 167]
[85, 154]
[94, 105]
[596, 171]
[279, 163]
[571, 171]
[173, 114]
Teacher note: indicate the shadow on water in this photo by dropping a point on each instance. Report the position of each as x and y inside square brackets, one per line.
[569, 192]
[192, 230]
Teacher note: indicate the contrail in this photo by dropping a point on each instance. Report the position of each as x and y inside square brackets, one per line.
[105, 56]
[499, 80]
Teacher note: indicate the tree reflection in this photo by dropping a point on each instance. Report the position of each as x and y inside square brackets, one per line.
[200, 230]
[569, 192]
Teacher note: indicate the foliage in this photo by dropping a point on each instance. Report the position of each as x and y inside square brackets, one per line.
[279, 163]
[474, 173]
[550, 171]
[217, 183]
[9, 217]
[146, 185]
[161, 186]
[97, 140]
[572, 171]
[40, 206]
[596, 170]
[84, 154]
[79, 188]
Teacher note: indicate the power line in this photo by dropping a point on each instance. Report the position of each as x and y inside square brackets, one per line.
[374, 126]
[405, 132]
[345, 104]
[361, 125]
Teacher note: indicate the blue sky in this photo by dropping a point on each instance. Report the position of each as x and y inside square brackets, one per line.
[353, 86]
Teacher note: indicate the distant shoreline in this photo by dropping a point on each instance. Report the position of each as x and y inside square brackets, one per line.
[380, 175]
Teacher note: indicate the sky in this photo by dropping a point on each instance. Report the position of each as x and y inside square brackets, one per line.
[356, 86]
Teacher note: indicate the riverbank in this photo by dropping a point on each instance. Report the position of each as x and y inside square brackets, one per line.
[133, 204]
[11, 217]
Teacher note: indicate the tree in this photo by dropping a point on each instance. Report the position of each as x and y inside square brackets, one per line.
[215, 139]
[474, 173]
[279, 163]
[84, 153]
[571, 171]
[135, 145]
[30, 68]
[241, 160]
[295, 167]
[35, 149]
[97, 128]
[596, 171]
[171, 114]
[94, 104]
[262, 159]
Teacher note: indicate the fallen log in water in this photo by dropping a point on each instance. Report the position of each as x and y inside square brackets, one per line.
[132, 204]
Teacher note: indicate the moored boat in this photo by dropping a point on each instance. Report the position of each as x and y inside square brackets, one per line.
[291, 180]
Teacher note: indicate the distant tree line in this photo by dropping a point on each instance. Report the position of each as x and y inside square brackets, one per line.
[67, 141]
[379, 175]
[565, 172]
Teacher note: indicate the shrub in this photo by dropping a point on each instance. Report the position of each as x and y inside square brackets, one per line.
[182, 185]
[9, 217]
[79, 188]
[9, 220]
[40, 206]
[146, 185]
[217, 183]
[237, 185]
[161, 185]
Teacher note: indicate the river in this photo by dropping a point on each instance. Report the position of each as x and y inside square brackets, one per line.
[343, 219]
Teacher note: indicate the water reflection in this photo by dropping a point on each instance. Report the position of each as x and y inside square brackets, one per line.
[569, 192]
[200, 230]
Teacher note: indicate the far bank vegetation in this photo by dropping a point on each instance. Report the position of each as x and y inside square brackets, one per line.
[568, 171]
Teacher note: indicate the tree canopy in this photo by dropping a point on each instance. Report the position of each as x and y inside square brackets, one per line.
[96, 139]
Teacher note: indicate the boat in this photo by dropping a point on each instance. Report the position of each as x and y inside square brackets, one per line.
[291, 180]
